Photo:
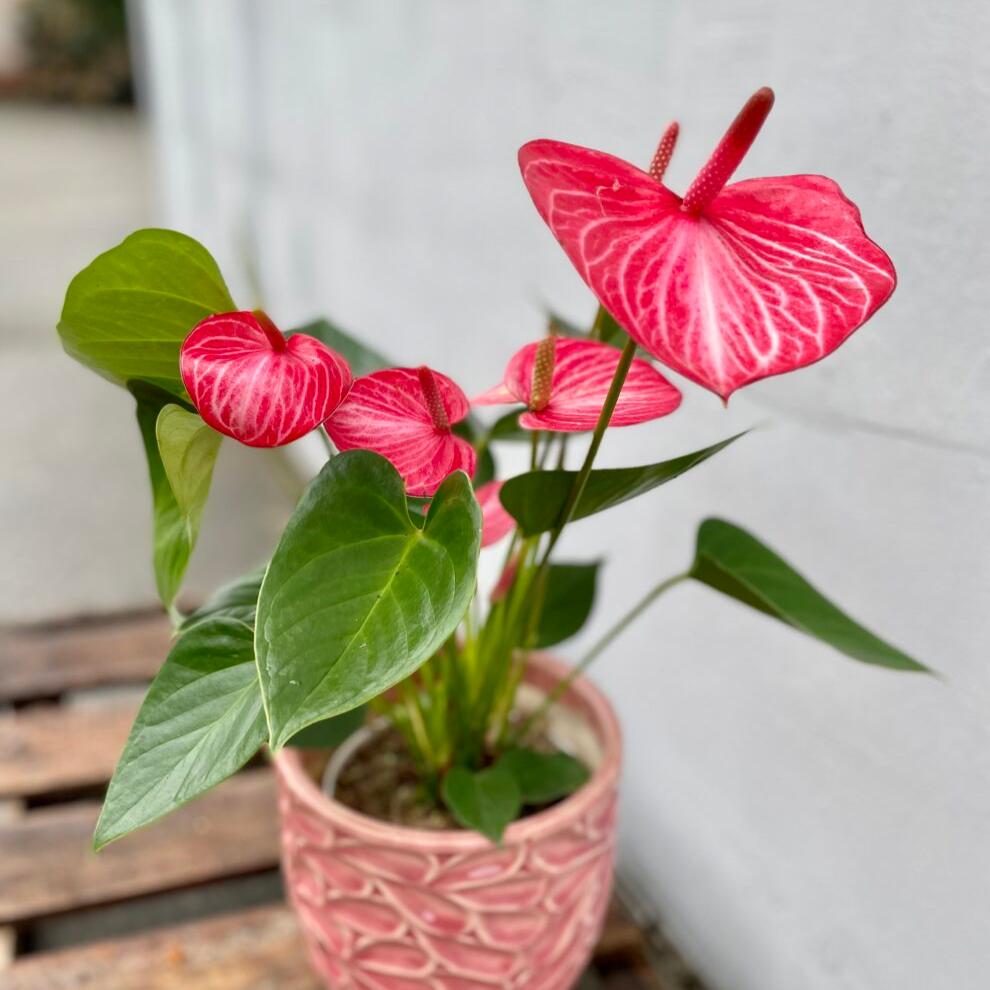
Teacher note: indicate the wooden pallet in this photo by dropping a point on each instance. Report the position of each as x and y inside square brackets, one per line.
[60, 733]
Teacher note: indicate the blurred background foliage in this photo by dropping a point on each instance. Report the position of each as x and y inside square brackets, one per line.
[73, 51]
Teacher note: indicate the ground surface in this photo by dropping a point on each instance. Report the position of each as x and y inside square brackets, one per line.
[74, 505]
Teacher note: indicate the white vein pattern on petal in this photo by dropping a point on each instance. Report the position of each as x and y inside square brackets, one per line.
[771, 293]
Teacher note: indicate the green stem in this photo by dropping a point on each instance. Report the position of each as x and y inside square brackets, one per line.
[562, 686]
[574, 496]
[175, 617]
[538, 594]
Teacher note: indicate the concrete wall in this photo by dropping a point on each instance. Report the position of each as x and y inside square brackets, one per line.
[800, 821]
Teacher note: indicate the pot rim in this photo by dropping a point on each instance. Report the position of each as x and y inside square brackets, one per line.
[583, 694]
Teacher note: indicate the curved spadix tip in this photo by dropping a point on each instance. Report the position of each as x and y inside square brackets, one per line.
[730, 151]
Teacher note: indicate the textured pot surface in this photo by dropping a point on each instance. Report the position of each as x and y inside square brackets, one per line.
[385, 907]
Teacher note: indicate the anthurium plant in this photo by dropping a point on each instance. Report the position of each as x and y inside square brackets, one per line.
[370, 597]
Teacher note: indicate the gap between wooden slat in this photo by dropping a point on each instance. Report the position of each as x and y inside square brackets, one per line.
[42, 662]
[45, 750]
[249, 950]
[47, 865]
[259, 949]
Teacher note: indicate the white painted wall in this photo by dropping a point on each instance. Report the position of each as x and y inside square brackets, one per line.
[802, 822]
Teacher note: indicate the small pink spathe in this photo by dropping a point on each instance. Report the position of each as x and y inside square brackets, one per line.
[249, 382]
[582, 374]
[388, 412]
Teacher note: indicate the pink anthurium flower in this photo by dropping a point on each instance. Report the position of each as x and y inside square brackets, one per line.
[406, 414]
[249, 382]
[728, 285]
[563, 383]
[496, 522]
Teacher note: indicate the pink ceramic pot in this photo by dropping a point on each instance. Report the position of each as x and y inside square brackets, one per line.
[385, 907]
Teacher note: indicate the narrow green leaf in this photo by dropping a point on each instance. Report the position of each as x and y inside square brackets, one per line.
[331, 731]
[569, 598]
[734, 562]
[486, 801]
[562, 327]
[127, 313]
[507, 427]
[172, 540]
[236, 600]
[486, 469]
[607, 330]
[543, 777]
[357, 597]
[188, 448]
[362, 359]
[536, 499]
[201, 720]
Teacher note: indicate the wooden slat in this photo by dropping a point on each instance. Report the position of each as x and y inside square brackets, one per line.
[47, 865]
[40, 662]
[259, 949]
[249, 950]
[51, 749]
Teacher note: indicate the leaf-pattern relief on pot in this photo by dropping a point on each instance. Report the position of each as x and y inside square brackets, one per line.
[389, 908]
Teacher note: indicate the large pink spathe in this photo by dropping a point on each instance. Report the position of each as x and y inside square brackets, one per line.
[729, 285]
[249, 382]
[405, 414]
[582, 372]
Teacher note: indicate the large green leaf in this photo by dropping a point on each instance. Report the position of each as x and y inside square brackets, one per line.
[734, 562]
[237, 600]
[536, 499]
[201, 720]
[486, 801]
[127, 313]
[543, 777]
[567, 603]
[357, 596]
[362, 359]
[173, 538]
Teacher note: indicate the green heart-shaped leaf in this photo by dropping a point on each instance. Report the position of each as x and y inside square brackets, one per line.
[486, 801]
[543, 777]
[127, 313]
[734, 562]
[567, 602]
[201, 720]
[357, 596]
[536, 499]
